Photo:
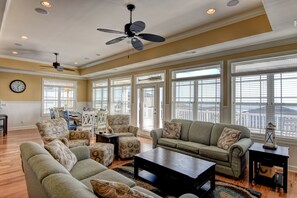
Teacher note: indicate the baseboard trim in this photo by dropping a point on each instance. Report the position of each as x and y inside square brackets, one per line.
[21, 128]
[292, 168]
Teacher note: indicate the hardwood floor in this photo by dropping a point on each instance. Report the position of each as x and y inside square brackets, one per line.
[12, 180]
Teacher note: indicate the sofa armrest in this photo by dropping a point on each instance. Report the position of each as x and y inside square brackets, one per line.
[133, 130]
[156, 134]
[242, 145]
[81, 152]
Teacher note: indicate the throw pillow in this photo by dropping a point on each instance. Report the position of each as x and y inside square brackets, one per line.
[110, 189]
[228, 137]
[171, 130]
[61, 153]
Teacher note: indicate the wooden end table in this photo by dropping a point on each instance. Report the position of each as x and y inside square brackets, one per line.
[4, 119]
[109, 138]
[278, 157]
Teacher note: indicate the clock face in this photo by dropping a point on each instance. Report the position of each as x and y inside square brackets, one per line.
[17, 86]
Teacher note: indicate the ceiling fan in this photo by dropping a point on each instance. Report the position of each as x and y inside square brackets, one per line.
[57, 65]
[131, 32]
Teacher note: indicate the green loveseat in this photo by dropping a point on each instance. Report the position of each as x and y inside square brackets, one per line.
[199, 139]
[45, 177]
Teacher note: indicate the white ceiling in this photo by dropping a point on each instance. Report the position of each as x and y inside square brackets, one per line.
[70, 27]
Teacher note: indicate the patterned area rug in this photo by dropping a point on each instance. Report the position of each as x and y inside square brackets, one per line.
[222, 189]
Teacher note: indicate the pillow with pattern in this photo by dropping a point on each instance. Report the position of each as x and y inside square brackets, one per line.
[110, 189]
[61, 153]
[228, 137]
[171, 130]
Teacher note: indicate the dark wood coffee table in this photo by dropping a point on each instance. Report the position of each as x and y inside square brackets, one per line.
[171, 170]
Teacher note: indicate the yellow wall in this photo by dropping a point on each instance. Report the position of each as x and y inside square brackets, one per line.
[33, 87]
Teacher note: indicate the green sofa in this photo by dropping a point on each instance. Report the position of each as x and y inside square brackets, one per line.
[199, 139]
[45, 177]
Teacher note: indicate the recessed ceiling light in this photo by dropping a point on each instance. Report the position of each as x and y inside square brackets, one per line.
[232, 3]
[41, 11]
[75, 63]
[46, 4]
[211, 11]
[295, 23]
[24, 37]
[14, 52]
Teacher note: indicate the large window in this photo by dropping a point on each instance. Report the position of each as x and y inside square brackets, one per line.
[58, 93]
[120, 96]
[196, 93]
[263, 92]
[100, 94]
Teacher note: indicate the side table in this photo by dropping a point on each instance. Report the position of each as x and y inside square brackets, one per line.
[278, 157]
[4, 119]
[109, 138]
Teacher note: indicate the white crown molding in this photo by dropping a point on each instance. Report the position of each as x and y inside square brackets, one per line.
[193, 32]
[49, 74]
[34, 61]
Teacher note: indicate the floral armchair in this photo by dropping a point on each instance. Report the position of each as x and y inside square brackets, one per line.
[58, 129]
[120, 124]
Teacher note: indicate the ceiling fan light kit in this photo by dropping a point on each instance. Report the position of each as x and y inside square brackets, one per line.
[131, 30]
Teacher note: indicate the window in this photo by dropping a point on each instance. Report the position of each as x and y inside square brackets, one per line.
[100, 94]
[120, 96]
[196, 94]
[58, 93]
[263, 92]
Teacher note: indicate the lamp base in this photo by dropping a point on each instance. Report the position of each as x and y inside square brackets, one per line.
[269, 146]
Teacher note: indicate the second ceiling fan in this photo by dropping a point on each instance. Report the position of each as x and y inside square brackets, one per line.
[131, 32]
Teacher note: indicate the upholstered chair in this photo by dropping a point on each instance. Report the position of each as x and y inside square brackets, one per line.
[58, 129]
[120, 124]
[52, 113]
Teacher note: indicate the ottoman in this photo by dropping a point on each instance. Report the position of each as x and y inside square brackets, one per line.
[102, 153]
[128, 147]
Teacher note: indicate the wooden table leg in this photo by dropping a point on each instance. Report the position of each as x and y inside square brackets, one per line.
[135, 169]
[251, 168]
[285, 172]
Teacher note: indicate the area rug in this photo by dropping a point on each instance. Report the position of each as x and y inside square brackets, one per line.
[222, 189]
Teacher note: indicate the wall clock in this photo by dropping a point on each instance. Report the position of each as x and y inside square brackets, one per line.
[17, 86]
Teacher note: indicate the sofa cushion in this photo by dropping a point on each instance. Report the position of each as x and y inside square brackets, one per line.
[44, 165]
[108, 189]
[200, 132]
[122, 134]
[75, 143]
[109, 175]
[61, 185]
[186, 124]
[86, 168]
[218, 129]
[61, 153]
[228, 137]
[214, 152]
[171, 130]
[190, 146]
[169, 142]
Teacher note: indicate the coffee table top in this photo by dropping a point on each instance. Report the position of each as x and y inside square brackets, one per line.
[187, 165]
[107, 135]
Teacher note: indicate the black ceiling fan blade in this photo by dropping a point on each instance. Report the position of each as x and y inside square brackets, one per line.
[68, 69]
[116, 40]
[137, 26]
[110, 31]
[151, 37]
[137, 44]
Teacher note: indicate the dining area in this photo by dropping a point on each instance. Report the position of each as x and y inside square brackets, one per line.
[90, 119]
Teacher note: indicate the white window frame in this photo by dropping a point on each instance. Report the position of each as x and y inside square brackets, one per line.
[121, 85]
[59, 93]
[193, 67]
[100, 87]
[270, 85]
